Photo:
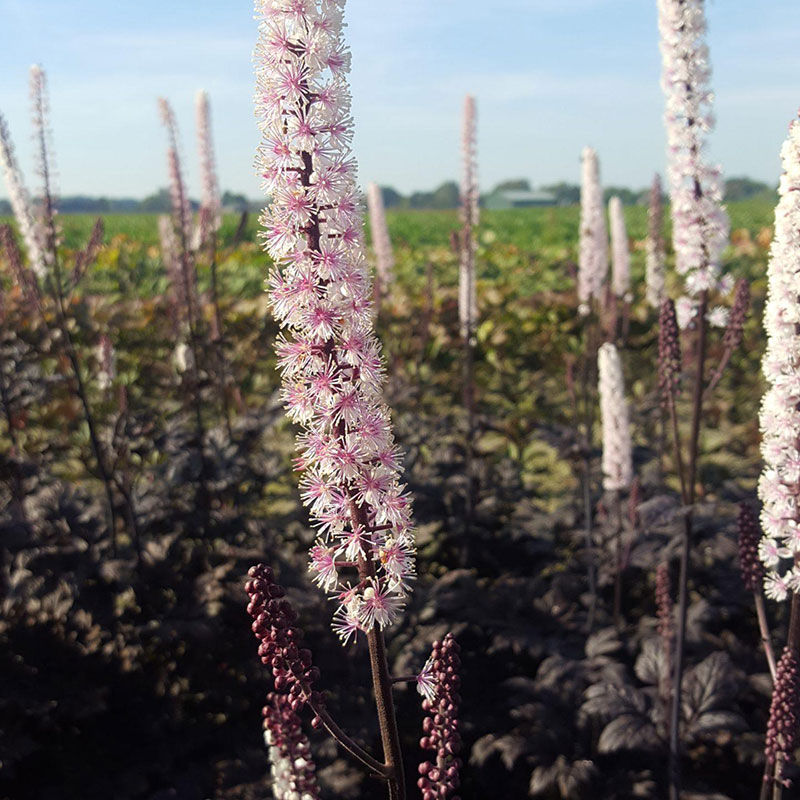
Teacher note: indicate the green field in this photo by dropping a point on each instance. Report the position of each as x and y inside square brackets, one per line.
[536, 237]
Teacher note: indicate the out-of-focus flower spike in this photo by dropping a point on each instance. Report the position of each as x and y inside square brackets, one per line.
[617, 453]
[620, 254]
[181, 209]
[669, 354]
[211, 201]
[86, 257]
[43, 140]
[593, 244]
[381, 243]
[107, 363]
[779, 416]
[21, 202]
[25, 278]
[655, 258]
[467, 290]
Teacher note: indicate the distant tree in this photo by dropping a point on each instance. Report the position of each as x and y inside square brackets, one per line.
[566, 194]
[445, 196]
[392, 198]
[746, 188]
[5, 208]
[237, 201]
[80, 204]
[627, 196]
[158, 203]
[513, 185]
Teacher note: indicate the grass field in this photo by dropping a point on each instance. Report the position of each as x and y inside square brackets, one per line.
[538, 237]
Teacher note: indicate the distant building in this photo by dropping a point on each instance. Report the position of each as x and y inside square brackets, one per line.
[519, 198]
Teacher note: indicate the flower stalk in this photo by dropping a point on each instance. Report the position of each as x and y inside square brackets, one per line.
[329, 357]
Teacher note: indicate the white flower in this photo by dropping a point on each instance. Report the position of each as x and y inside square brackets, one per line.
[718, 316]
[620, 255]
[779, 417]
[617, 455]
[593, 245]
[426, 681]
[699, 222]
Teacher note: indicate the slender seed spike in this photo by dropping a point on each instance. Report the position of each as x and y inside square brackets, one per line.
[669, 354]
[655, 258]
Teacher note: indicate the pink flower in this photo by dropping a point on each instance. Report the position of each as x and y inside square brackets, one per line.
[328, 355]
[779, 418]
[700, 224]
[467, 292]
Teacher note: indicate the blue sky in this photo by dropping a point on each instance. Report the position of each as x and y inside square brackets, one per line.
[550, 76]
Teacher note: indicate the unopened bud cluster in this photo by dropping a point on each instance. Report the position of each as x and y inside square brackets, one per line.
[783, 729]
[741, 304]
[292, 766]
[439, 778]
[280, 648]
[749, 562]
[666, 627]
[669, 353]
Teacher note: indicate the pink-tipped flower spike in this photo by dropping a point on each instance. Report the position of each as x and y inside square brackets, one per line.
[107, 363]
[593, 245]
[655, 258]
[779, 416]
[181, 209]
[700, 224]
[467, 291]
[617, 454]
[439, 777]
[783, 729]
[292, 765]
[25, 278]
[20, 201]
[381, 243]
[42, 136]
[211, 203]
[320, 293]
[620, 255]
